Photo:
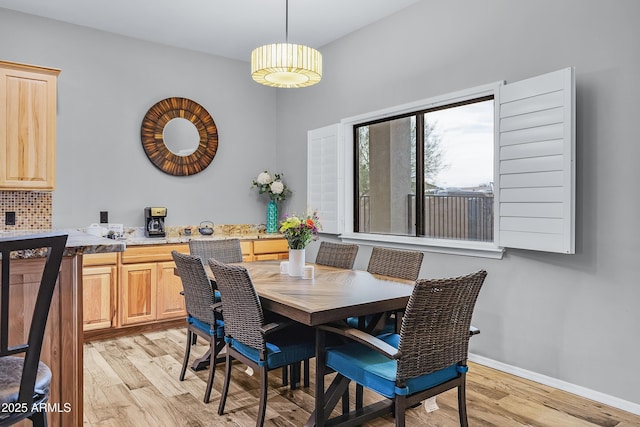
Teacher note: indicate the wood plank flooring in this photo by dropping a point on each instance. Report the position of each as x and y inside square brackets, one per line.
[133, 381]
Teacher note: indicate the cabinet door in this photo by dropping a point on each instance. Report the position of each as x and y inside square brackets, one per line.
[138, 294]
[28, 123]
[98, 291]
[170, 301]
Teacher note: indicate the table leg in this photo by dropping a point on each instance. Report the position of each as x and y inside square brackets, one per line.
[204, 361]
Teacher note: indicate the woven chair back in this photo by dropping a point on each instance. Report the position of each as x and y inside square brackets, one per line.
[340, 255]
[243, 315]
[225, 251]
[435, 326]
[10, 344]
[198, 294]
[395, 263]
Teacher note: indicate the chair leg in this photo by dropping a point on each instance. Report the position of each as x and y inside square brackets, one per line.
[212, 368]
[305, 363]
[399, 407]
[225, 387]
[359, 396]
[187, 352]
[462, 403]
[285, 375]
[345, 402]
[262, 409]
[295, 375]
[39, 419]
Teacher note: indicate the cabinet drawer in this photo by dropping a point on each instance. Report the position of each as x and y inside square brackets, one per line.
[152, 253]
[270, 246]
[100, 259]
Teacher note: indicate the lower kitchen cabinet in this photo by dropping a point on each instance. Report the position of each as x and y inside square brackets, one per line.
[138, 292]
[138, 287]
[270, 249]
[99, 285]
[170, 300]
[150, 291]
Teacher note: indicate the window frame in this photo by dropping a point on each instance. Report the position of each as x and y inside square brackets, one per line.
[426, 244]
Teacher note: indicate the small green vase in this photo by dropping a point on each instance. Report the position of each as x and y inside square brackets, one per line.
[272, 217]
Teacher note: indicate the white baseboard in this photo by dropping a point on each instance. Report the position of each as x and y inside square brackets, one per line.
[606, 399]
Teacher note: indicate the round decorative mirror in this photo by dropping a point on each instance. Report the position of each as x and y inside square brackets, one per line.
[179, 136]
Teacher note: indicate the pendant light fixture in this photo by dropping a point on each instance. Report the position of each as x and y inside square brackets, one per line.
[286, 65]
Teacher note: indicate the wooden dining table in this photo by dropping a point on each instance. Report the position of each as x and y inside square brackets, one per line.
[333, 294]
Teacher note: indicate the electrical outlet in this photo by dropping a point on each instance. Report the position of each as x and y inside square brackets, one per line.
[9, 218]
[104, 217]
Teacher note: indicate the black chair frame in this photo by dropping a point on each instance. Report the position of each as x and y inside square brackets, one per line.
[29, 402]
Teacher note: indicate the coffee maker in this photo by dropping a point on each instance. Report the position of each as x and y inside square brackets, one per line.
[154, 222]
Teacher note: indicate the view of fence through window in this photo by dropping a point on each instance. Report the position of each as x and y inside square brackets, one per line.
[456, 148]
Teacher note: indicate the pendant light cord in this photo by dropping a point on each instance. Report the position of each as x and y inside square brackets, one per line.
[286, 26]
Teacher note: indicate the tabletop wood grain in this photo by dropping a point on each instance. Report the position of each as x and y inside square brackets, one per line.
[333, 294]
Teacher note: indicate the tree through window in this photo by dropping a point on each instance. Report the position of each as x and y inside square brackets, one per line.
[455, 145]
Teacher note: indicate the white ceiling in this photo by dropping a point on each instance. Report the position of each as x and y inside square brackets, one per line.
[230, 28]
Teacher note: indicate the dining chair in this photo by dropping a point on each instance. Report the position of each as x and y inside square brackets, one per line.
[202, 317]
[402, 264]
[428, 357]
[230, 251]
[224, 250]
[263, 344]
[340, 255]
[25, 380]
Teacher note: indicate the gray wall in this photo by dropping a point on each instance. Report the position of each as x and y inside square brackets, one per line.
[570, 317]
[107, 84]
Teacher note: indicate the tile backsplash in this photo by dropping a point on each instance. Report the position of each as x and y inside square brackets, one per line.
[32, 208]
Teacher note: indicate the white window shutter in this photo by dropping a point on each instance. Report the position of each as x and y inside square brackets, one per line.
[536, 163]
[325, 168]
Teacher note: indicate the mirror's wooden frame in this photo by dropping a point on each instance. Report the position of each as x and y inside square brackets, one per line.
[157, 151]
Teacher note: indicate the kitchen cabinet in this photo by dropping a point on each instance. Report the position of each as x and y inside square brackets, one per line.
[28, 123]
[149, 290]
[170, 301]
[99, 286]
[139, 284]
[270, 249]
[138, 289]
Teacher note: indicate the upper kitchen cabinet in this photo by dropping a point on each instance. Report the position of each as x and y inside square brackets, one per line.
[27, 127]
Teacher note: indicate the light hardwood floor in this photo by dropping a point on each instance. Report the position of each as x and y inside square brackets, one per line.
[133, 381]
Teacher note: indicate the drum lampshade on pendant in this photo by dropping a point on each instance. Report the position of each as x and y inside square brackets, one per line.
[286, 65]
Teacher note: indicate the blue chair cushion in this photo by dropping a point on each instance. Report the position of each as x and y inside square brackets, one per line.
[283, 348]
[377, 372]
[206, 328]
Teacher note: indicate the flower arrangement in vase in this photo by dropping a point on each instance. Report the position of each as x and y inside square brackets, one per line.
[299, 232]
[273, 186]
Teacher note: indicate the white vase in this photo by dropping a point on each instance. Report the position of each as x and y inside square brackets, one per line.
[296, 262]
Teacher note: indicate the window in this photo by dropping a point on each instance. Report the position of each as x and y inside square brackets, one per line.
[451, 147]
[522, 174]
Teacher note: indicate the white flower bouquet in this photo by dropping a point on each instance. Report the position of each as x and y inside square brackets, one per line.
[271, 185]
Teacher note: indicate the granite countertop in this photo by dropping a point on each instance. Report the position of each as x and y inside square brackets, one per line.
[141, 240]
[78, 242]
[135, 236]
